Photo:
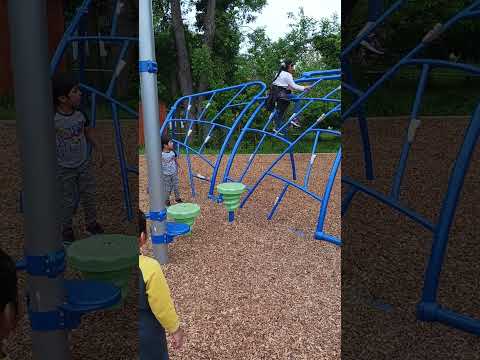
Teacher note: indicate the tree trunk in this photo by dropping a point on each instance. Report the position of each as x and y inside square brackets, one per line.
[184, 72]
[209, 37]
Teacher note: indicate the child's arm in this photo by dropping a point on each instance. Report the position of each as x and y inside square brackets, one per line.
[158, 294]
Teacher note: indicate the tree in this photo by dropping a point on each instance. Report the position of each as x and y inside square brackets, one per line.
[183, 61]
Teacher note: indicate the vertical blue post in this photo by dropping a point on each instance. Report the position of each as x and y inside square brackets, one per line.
[149, 92]
[231, 216]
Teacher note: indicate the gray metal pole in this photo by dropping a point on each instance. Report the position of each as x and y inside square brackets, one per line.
[153, 146]
[35, 129]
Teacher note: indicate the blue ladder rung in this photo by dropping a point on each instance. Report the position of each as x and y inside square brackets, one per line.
[87, 296]
[177, 229]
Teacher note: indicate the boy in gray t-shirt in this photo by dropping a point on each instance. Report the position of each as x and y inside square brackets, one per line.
[170, 170]
[75, 172]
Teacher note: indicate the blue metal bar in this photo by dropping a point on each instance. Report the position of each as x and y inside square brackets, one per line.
[229, 136]
[321, 73]
[257, 148]
[103, 38]
[195, 152]
[218, 115]
[81, 50]
[352, 89]
[362, 123]
[278, 201]
[200, 122]
[310, 163]
[397, 181]
[293, 184]
[231, 216]
[328, 238]
[206, 107]
[109, 99]
[114, 18]
[447, 214]
[327, 192]
[274, 163]
[348, 199]
[62, 46]
[93, 111]
[474, 70]
[390, 202]
[121, 56]
[190, 174]
[292, 162]
[123, 162]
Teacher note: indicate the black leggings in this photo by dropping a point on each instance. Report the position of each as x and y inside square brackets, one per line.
[282, 106]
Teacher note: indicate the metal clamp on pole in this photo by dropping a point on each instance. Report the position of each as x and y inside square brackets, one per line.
[147, 66]
[161, 239]
[156, 215]
[50, 265]
[53, 320]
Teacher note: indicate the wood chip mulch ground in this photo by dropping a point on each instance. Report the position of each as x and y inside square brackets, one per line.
[253, 289]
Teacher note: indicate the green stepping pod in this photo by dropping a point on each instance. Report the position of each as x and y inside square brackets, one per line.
[231, 193]
[109, 258]
[184, 213]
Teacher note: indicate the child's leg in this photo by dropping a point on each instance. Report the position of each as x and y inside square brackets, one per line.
[87, 189]
[167, 182]
[176, 188]
[282, 106]
[67, 180]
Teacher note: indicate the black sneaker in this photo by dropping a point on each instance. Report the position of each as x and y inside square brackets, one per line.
[94, 228]
[179, 201]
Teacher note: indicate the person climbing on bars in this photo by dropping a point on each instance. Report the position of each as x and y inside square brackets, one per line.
[278, 98]
[376, 9]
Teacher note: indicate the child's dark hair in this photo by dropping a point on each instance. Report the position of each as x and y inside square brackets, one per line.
[62, 84]
[142, 223]
[8, 281]
[165, 140]
[284, 67]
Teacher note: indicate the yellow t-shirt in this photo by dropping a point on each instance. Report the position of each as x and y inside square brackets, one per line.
[158, 293]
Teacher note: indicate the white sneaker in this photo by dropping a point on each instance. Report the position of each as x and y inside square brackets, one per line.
[295, 123]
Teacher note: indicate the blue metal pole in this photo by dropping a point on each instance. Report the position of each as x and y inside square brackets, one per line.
[414, 122]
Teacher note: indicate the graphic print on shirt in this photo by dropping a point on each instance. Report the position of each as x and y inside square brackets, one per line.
[70, 139]
[169, 165]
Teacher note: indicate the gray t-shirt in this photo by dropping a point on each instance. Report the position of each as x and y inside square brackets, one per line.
[169, 166]
[72, 150]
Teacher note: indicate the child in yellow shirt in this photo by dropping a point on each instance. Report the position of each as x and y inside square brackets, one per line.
[157, 311]
[8, 299]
